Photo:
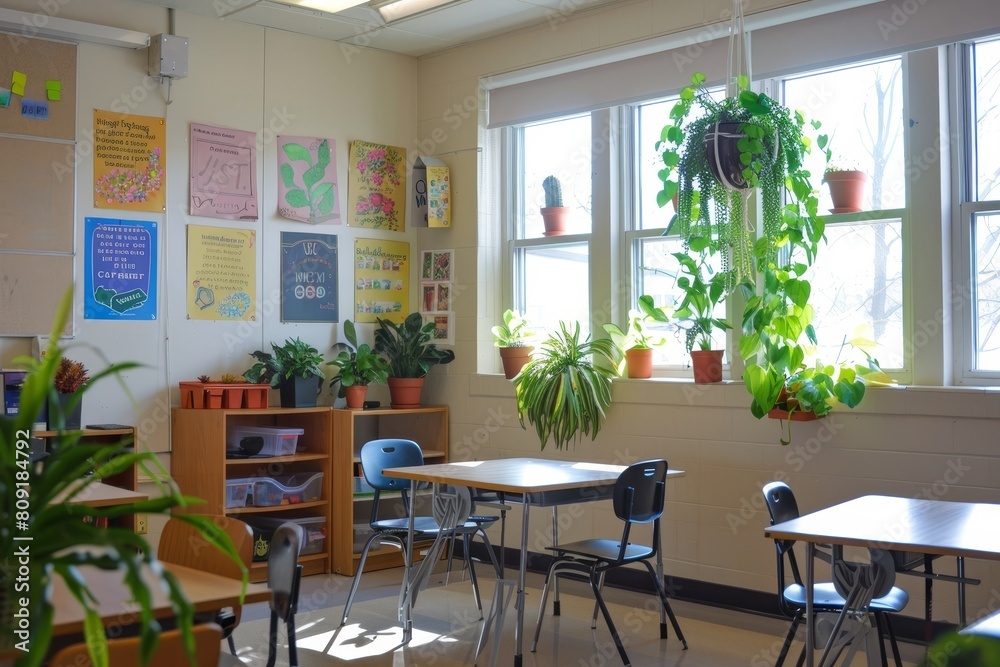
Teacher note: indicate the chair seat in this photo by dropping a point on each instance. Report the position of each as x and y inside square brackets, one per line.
[608, 550]
[825, 596]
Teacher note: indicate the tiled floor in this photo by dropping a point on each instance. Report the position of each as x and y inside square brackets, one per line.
[446, 629]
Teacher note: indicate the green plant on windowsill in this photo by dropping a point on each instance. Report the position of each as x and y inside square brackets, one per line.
[63, 539]
[564, 392]
[638, 334]
[511, 336]
[697, 307]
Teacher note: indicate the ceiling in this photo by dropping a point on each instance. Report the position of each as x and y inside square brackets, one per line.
[450, 26]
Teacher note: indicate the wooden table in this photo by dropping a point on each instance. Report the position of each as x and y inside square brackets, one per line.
[540, 482]
[935, 527]
[100, 494]
[206, 591]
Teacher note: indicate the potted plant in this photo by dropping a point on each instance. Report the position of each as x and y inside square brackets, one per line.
[697, 309]
[554, 215]
[408, 349]
[66, 405]
[66, 537]
[637, 341]
[357, 367]
[511, 339]
[293, 369]
[562, 392]
[846, 181]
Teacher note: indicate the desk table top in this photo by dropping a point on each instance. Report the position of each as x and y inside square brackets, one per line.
[100, 494]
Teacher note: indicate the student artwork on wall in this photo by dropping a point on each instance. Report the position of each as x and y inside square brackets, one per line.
[444, 327]
[119, 269]
[381, 276]
[223, 173]
[221, 273]
[129, 162]
[376, 186]
[308, 277]
[437, 266]
[307, 186]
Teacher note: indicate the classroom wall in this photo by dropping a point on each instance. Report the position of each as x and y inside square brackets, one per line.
[930, 442]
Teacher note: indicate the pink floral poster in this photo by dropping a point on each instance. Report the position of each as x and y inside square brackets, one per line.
[376, 186]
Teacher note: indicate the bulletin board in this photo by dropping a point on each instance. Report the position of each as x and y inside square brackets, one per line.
[40, 61]
[31, 287]
[36, 201]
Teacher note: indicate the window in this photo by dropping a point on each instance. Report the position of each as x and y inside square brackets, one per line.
[980, 209]
[857, 278]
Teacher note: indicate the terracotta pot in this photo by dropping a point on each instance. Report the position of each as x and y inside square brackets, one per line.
[514, 359]
[707, 365]
[355, 395]
[724, 155]
[556, 219]
[639, 362]
[847, 189]
[405, 392]
[797, 416]
[232, 397]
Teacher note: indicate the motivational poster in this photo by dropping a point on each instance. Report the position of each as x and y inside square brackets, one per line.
[308, 277]
[119, 269]
[221, 273]
[129, 162]
[381, 275]
[223, 173]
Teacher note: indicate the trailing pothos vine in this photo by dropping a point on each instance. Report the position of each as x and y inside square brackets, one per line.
[768, 266]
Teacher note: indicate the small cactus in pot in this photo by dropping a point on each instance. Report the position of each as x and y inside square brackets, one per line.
[554, 214]
[553, 191]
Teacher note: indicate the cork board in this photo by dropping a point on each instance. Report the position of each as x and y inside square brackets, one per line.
[31, 287]
[40, 61]
[36, 195]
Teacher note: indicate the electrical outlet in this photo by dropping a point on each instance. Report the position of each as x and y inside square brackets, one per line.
[141, 524]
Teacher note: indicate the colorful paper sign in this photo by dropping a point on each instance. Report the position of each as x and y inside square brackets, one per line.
[223, 173]
[381, 276]
[4, 98]
[129, 162]
[17, 82]
[119, 269]
[308, 277]
[376, 186]
[53, 90]
[38, 109]
[221, 273]
[431, 201]
[307, 186]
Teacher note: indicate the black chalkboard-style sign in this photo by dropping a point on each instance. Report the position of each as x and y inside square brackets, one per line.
[308, 277]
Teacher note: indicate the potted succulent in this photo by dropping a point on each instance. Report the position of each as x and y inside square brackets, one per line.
[554, 215]
[637, 341]
[293, 369]
[564, 393]
[66, 405]
[511, 338]
[408, 349]
[66, 537]
[846, 181]
[697, 309]
[357, 367]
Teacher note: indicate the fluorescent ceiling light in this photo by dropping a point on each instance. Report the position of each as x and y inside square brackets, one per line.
[393, 10]
[43, 25]
[329, 6]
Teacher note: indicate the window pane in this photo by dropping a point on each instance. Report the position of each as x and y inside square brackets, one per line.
[651, 119]
[987, 303]
[657, 277]
[861, 109]
[560, 148]
[987, 110]
[555, 284]
[861, 267]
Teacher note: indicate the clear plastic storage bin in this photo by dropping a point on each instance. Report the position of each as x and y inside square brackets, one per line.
[237, 490]
[276, 441]
[313, 538]
[300, 487]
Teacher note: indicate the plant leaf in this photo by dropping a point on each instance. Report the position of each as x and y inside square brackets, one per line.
[297, 152]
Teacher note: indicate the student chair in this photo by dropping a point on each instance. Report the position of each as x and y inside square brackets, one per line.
[781, 506]
[638, 499]
[376, 456]
[283, 576]
[169, 650]
[183, 544]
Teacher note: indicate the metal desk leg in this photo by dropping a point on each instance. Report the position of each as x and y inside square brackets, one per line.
[810, 620]
[961, 591]
[521, 577]
[407, 606]
[555, 542]
[928, 599]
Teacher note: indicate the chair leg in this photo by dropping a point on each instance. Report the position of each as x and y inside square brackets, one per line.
[593, 620]
[595, 586]
[892, 640]
[489, 550]
[666, 606]
[789, 636]
[472, 575]
[232, 645]
[541, 607]
[272, 641]
[293, 653]
[357, 577]
[879, 620]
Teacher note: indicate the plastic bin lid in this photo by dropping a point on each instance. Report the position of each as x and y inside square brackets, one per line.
[273, 523]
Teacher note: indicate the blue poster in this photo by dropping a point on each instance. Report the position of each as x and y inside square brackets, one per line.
[308, 277]
[120, 270]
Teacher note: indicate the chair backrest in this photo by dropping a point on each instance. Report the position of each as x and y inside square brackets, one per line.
[640, 491]
[781, 506]
[875, 578]
[169, 650]
[283, 569]
[183, 544]
[377, 455]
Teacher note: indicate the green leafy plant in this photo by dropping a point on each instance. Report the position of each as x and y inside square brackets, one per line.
[513, 332]
[553, 192]
[408, 347]
[293, 358]
[697, 307]
[637, 333]
[564, 393]
[315, 194]
[63, 538]
[358, 364]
